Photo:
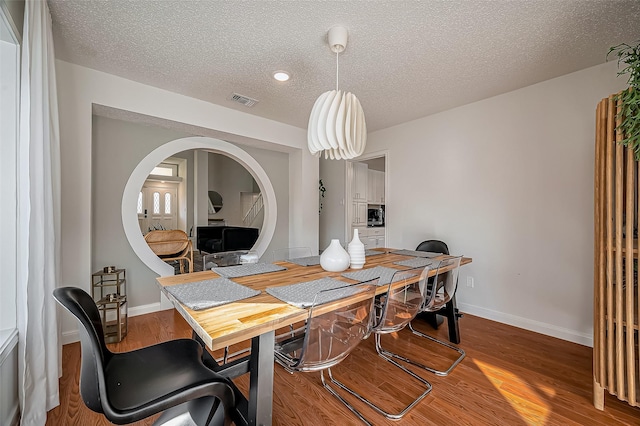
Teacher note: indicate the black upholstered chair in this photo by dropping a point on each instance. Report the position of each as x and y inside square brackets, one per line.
[434, 246]
[131, 386]
[450, 310]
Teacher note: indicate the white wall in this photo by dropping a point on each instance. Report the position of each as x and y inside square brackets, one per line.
[118, 147]
[79, 88]
[229, 178]
[332, 215]
[507, 181]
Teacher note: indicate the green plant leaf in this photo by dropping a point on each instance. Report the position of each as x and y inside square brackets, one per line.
[629, 100]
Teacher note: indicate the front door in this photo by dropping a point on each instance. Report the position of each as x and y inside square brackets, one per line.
[158, 206]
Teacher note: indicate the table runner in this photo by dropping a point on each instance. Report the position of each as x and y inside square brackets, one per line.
[305, 261]
[383, 273]
[302, 295]
[248, 269]
[415, 253]
[372, 252]
[209, 293]
[418, 262]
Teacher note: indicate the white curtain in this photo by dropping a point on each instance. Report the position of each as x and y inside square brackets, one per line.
[38, 220]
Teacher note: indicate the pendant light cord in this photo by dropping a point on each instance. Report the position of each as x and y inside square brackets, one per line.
[337, 69]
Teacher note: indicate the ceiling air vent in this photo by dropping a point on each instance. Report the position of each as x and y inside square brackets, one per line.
[244, 100]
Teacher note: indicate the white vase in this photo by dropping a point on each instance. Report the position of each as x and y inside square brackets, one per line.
[356, 251]
[334, 258]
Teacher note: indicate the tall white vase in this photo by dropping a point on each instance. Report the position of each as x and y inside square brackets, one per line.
[334, 258]
[356, 251]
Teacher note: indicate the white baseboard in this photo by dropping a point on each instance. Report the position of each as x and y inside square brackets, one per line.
[73, 336]
[8, 341]
[144, 309]
[528, 324]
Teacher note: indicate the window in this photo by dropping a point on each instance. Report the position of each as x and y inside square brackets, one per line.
[165, 169]
[139, 207]
[9, 97]
[156, 203]
[167, 203]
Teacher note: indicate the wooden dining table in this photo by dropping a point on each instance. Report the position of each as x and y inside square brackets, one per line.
[257, 319]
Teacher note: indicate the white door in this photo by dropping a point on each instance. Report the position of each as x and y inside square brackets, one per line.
[158, 207]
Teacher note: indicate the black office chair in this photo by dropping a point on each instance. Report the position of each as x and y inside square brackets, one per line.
[450, 310]
[131, 386]
[435, 246]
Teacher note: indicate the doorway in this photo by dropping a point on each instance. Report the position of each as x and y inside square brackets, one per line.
[137, 179]
[157, 206]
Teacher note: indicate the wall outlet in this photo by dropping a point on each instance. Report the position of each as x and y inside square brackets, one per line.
[470, 282]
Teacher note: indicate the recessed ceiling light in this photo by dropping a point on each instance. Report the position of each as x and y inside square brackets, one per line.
[281, 75]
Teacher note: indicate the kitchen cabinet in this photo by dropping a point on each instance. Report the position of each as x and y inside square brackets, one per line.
[376, 237]
[375, 187]
[370, 237]
[359, 182]
[358, 213]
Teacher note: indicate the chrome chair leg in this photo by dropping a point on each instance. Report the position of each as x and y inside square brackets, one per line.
[393, 416]
[384, 352]
[340, 398]
[225, 357]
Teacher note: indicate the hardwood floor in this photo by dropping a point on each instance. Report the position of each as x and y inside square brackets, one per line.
[509, 377]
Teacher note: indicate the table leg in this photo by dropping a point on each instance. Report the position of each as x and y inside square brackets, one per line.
[452, 321]
[257, 409]
[261, 379]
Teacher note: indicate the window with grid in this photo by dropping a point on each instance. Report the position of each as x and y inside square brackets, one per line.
[156, 203]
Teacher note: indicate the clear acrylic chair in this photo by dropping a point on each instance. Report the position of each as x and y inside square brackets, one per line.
[394, 310]
[290, 253]
[222, 259]
[330, 333]
[437, 295]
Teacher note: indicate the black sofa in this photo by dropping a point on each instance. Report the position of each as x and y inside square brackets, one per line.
[214, 239]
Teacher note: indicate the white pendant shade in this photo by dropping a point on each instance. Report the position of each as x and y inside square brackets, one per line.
[337, 126]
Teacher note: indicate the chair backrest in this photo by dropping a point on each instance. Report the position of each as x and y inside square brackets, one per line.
[333, 332]
[167, 242]
[403, 300]
[290, 253]
[435, 246]
[222, 259]
[95, 354]
[444, 284]
[237, 238]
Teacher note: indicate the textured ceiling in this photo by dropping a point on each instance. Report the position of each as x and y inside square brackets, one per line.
[404, 60]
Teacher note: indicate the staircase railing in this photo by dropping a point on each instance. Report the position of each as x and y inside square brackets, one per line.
[253, 211]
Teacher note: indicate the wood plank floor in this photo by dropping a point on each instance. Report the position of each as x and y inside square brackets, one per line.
[509, 377]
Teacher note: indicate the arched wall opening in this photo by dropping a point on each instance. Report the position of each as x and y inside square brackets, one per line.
[142, 170]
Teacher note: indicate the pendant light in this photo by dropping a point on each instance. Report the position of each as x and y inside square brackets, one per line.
[336, 124]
